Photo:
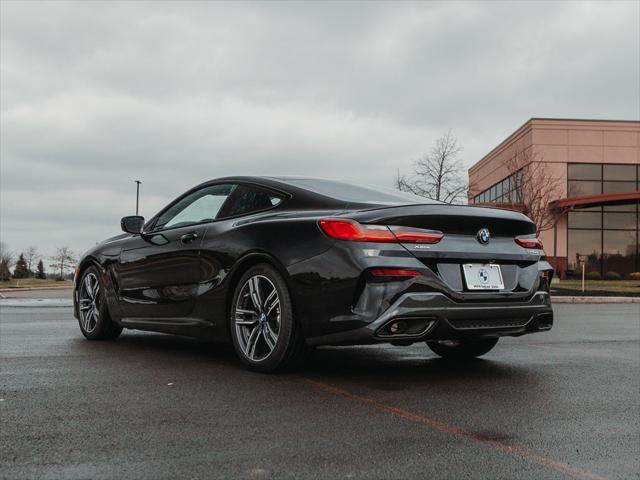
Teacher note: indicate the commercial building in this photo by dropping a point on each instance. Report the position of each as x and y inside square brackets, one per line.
[595, 165]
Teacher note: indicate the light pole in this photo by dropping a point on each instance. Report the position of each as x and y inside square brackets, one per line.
[138, 182]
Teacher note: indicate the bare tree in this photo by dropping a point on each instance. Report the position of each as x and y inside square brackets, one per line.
[6, 261]
[30, 255]
[439, 175]
[63, 260]
[536, 187]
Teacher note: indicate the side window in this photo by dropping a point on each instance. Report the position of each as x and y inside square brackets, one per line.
[250, 199]
[201, 206]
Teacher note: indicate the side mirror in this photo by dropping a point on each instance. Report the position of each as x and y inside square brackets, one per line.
[132, 224]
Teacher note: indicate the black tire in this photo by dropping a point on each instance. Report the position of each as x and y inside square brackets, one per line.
[289, 349]
[466, 349]
[101, 326]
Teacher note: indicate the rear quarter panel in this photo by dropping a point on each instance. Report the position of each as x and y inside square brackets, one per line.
[230, 247]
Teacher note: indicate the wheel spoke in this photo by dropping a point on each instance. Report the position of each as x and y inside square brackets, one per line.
[241, 314]
[274, 303]
[88, 286]
[94, 317]
[269, 337]
[246, 321]
[85, 304]
[269, 299]
[252, 342]
[254, 290]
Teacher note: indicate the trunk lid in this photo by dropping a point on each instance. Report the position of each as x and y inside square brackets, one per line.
[460, 245]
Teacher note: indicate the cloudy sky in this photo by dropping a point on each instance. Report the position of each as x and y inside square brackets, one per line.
[95, 95]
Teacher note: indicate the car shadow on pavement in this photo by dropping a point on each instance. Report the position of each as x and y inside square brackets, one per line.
[379, 367]
[394, 368]
[166, 347]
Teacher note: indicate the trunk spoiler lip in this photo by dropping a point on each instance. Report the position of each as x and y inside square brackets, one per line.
[500, 212]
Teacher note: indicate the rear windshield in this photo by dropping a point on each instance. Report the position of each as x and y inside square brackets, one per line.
[357, 193]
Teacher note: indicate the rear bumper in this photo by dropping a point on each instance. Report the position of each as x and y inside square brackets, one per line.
[434, 316]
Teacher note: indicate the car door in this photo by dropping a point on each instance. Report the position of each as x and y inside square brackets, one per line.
[159, 271]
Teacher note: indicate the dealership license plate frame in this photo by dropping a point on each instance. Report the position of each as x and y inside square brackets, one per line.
[473, 276]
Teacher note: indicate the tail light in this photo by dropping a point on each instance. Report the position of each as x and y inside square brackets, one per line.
[354, 231]
[534, 243]
[345, 229]
[415, 235]
[394, 272]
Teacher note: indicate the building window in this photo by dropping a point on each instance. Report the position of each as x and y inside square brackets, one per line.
[622, 173]
[579, 219]
[584, 171]
[596, 179]
[584, 246]
[605, 239]
[578, 188]
[619, 187]
[619, 251]
[505, 191]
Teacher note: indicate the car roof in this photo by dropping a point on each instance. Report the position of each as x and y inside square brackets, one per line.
[332, 192]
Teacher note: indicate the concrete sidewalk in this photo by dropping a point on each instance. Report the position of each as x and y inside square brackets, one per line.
[35, 302]
[579, 299]
[28, 289]
[36, 292]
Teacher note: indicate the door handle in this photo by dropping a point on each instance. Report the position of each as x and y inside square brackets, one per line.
[188, 237]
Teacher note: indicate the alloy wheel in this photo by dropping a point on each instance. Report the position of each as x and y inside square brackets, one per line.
[89, 302]
[257, 318]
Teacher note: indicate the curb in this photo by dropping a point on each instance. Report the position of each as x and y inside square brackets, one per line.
[556, 299]
[28, 289]
[35, 302]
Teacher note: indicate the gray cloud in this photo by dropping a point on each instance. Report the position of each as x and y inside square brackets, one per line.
[95, 95]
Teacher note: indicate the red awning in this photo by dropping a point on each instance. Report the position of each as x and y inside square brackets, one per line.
[595, 200]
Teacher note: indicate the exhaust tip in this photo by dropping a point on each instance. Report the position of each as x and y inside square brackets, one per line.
[397, 327]
[405, 327]
[545, 321]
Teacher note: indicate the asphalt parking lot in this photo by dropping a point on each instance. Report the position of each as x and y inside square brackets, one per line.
[563, 404]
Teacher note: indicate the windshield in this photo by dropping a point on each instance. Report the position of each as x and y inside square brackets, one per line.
[357, 193]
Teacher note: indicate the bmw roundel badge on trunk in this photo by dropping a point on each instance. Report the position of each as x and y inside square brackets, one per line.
[483, 236]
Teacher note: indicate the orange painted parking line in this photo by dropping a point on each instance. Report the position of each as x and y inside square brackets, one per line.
[441, 426]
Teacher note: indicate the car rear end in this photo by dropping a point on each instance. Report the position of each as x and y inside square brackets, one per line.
[438, 272]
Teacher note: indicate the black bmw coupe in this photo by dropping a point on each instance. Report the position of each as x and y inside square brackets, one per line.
[278, 265]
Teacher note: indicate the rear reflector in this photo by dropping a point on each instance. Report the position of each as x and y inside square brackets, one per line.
[530, 243]
[346, 229]
[394, 272]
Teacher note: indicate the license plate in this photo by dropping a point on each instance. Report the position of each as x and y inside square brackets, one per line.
[483, 277]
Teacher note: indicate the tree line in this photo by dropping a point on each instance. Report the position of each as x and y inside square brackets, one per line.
[30, 263]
